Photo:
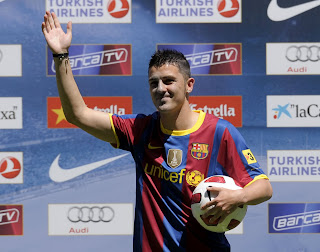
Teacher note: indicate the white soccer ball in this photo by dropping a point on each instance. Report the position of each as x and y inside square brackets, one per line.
[201, 196]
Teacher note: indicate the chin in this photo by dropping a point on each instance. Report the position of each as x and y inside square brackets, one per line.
[163, 109]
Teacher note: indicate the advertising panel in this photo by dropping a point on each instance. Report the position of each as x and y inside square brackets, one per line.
[293, 218]
[10, 112]
[113, 105]
[293, 111]
[11, 220]
[90, 219]
[10, 60]
[96, 60]
[201, 11]
[91, 11]
[225, 107]
[211, 59]
[294, 165]
[293, 58]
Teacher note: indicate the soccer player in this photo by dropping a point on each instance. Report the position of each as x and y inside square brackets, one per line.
[174, 149]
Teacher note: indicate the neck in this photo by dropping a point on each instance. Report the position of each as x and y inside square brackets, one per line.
[182, 119]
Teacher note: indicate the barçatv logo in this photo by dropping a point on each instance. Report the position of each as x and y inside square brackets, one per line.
[118, 8]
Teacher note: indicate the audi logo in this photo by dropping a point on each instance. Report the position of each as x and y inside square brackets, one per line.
[303, 53]
[87, 214]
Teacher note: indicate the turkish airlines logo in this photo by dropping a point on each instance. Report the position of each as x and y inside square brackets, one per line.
[11, 222]
[118, 8]
[113, 105]
[228, 8]
[11, 168]
[224, 107]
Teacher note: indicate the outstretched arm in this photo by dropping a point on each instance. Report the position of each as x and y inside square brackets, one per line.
[96, 123]
[228, 200]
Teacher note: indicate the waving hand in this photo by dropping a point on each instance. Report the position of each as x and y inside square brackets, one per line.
[57, 40]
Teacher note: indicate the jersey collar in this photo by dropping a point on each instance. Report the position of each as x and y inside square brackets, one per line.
[195, 127]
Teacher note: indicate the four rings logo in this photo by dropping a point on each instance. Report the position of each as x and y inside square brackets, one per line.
[298, 220]
[97, 59]
[94, 214]
[293, 58]
[90, 219]
[214, 57]
[303, 53]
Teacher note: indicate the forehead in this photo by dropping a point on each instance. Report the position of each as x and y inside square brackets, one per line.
[164, 70]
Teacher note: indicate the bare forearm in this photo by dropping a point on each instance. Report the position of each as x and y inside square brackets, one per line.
[71, 99]
[257, 192]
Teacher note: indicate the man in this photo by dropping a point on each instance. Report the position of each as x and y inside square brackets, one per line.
[173, 148]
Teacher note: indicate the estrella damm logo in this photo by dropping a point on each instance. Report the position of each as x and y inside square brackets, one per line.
[199, 150]
[249, 156]
[194, 177]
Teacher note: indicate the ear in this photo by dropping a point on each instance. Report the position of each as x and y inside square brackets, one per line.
[190, 84]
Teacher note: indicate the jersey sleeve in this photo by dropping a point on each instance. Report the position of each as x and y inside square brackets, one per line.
[128, 130]
[236, 158]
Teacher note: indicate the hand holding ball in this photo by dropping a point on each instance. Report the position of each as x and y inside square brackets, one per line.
[201, 196]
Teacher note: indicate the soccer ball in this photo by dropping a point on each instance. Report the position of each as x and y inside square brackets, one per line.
[201, 196]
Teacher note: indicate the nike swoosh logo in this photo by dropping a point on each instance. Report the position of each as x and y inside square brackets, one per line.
[277, 13]
[58, 174]
[154, 147]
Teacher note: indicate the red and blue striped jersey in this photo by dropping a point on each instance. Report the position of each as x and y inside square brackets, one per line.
[169, 165]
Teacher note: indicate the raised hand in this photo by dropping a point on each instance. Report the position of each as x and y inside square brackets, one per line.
[57, 40]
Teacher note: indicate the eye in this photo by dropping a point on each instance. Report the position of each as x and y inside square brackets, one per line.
[168, 81]
[153, 84]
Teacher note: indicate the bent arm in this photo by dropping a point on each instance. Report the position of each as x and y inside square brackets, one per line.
[96, 123]
[228, 200]
[257, 192]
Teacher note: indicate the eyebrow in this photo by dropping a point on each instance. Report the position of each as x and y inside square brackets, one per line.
[164, 77]
[153, 79]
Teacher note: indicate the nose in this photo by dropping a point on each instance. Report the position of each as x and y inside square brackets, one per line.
[161, 87]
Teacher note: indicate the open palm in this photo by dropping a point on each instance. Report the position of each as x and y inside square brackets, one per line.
[57, 40]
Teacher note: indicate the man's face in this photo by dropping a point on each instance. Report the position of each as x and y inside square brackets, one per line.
[168, 88]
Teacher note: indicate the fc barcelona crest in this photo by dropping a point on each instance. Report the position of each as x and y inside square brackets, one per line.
[174, 158]
[199, 150]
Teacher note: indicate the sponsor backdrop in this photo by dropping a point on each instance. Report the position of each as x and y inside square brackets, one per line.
[256, 64]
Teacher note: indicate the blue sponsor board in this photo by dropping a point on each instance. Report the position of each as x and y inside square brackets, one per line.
[210, 59]
[294, 218]
[96, 60]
